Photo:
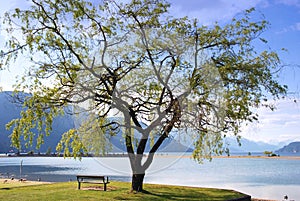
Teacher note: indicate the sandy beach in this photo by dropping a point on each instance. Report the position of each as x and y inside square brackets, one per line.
[16, 182]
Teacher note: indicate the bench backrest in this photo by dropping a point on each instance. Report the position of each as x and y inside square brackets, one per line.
[92, 178]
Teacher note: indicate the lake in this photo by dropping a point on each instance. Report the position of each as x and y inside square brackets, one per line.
[259, 177]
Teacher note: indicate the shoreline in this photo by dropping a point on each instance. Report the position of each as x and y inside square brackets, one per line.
[261, 157]
[21, 182]
[163, 155]
[233, 157]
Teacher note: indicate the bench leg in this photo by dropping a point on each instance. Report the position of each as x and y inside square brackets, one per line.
[78, 185]
[104, 186]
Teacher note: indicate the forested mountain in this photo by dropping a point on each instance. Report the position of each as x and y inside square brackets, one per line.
[10, 109]
[293, 147]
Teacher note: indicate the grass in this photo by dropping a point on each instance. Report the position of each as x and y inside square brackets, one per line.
[116, 191]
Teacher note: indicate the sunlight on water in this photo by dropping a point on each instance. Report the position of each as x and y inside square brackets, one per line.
[258, 177]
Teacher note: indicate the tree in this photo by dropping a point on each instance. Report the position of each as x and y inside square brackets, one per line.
[160, 74]
[268, 153]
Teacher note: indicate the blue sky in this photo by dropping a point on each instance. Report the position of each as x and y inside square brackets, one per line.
[284, 32]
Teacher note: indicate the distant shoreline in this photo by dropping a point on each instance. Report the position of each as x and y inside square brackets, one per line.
[261, 157]
[61, 155]
[160, 155]
[234, 157]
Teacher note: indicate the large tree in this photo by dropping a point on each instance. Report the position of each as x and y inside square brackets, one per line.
[157, 73]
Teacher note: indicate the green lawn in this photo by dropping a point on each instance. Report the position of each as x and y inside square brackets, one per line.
[116, 191]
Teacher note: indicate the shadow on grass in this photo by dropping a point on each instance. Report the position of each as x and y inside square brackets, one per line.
[5, 189]
[117, 191]
[155, 194]
[190, 194]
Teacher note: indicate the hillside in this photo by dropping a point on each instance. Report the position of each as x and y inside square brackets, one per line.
[249, 146]
[293, 147]
[169, 145]
[10, 110]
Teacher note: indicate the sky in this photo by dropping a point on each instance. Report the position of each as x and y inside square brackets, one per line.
[283, 32]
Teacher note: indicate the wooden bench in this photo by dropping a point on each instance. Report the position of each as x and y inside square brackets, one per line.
[92, 179]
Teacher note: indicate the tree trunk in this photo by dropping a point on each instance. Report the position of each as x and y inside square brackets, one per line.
[137, 182]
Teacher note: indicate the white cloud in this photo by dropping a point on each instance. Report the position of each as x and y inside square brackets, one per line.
[8, 76]
[289, 2]
[296, 26]
[275, 126]
[7, 5]
[208, 12]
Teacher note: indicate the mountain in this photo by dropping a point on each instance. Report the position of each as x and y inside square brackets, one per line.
[10, 109]
[293, 147]
[248, 145]
[168, 145]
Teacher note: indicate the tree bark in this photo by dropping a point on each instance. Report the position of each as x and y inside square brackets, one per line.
[137, 182]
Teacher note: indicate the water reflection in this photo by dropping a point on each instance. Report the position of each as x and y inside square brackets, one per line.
[261, 178]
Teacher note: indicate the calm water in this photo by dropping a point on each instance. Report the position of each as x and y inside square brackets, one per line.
[261, 178]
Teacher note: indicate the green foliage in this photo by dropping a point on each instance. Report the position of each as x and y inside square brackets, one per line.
[90, 137]
[69, 140]
[268, 153]
[35, 115]
[136, 61]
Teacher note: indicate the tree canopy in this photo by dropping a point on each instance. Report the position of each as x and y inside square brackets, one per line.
[159, 73]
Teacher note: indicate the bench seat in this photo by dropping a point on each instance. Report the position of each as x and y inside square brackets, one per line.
[96, 179]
